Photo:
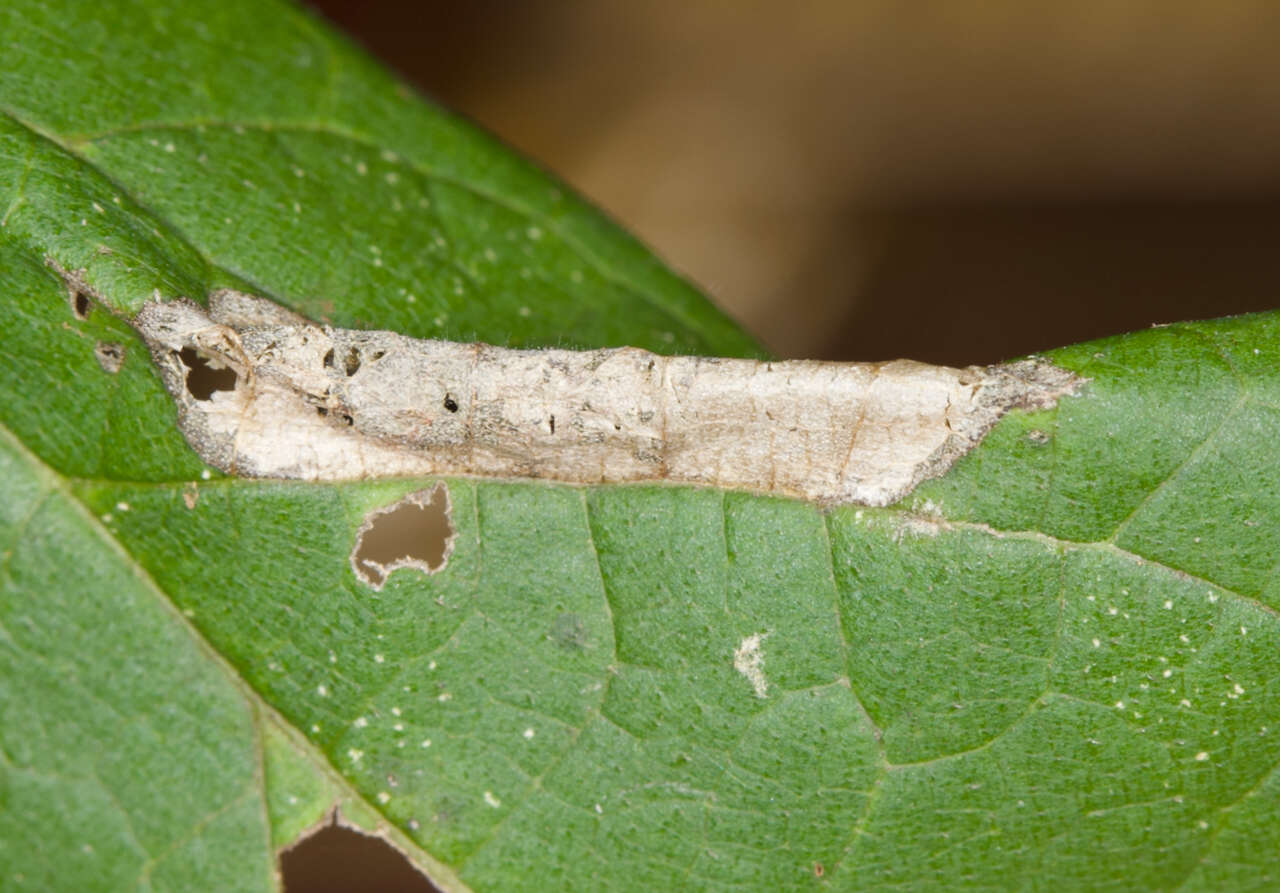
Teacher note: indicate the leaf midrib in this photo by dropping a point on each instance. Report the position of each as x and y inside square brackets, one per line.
[1107, 546]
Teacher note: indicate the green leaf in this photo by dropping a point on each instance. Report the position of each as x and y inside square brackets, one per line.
[1057, 666]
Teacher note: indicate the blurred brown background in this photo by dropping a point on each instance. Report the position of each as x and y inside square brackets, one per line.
[957, 181]
[860, 179]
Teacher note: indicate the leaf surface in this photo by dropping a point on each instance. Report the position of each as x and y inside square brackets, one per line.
[1057, 665]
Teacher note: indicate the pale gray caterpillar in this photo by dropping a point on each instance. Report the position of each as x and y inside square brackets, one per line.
[319, 403]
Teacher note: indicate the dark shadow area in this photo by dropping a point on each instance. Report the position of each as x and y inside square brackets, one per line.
[338, 860]
[979, 284]
[443, 47]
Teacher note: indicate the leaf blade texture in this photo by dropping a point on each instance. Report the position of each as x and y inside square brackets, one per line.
[1057, 664]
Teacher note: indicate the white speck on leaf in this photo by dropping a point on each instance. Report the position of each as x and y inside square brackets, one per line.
[748, 659]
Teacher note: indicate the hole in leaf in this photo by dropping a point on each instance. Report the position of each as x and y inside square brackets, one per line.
[415, 532]
[81, 305]
[352, 363]
[205, 375]
[328, 358]
[336, 859]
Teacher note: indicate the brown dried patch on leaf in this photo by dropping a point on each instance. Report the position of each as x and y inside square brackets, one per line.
[263, 425]
[319, 403]
[110, 356]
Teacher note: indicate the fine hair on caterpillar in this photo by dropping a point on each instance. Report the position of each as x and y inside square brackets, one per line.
[319, 403]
